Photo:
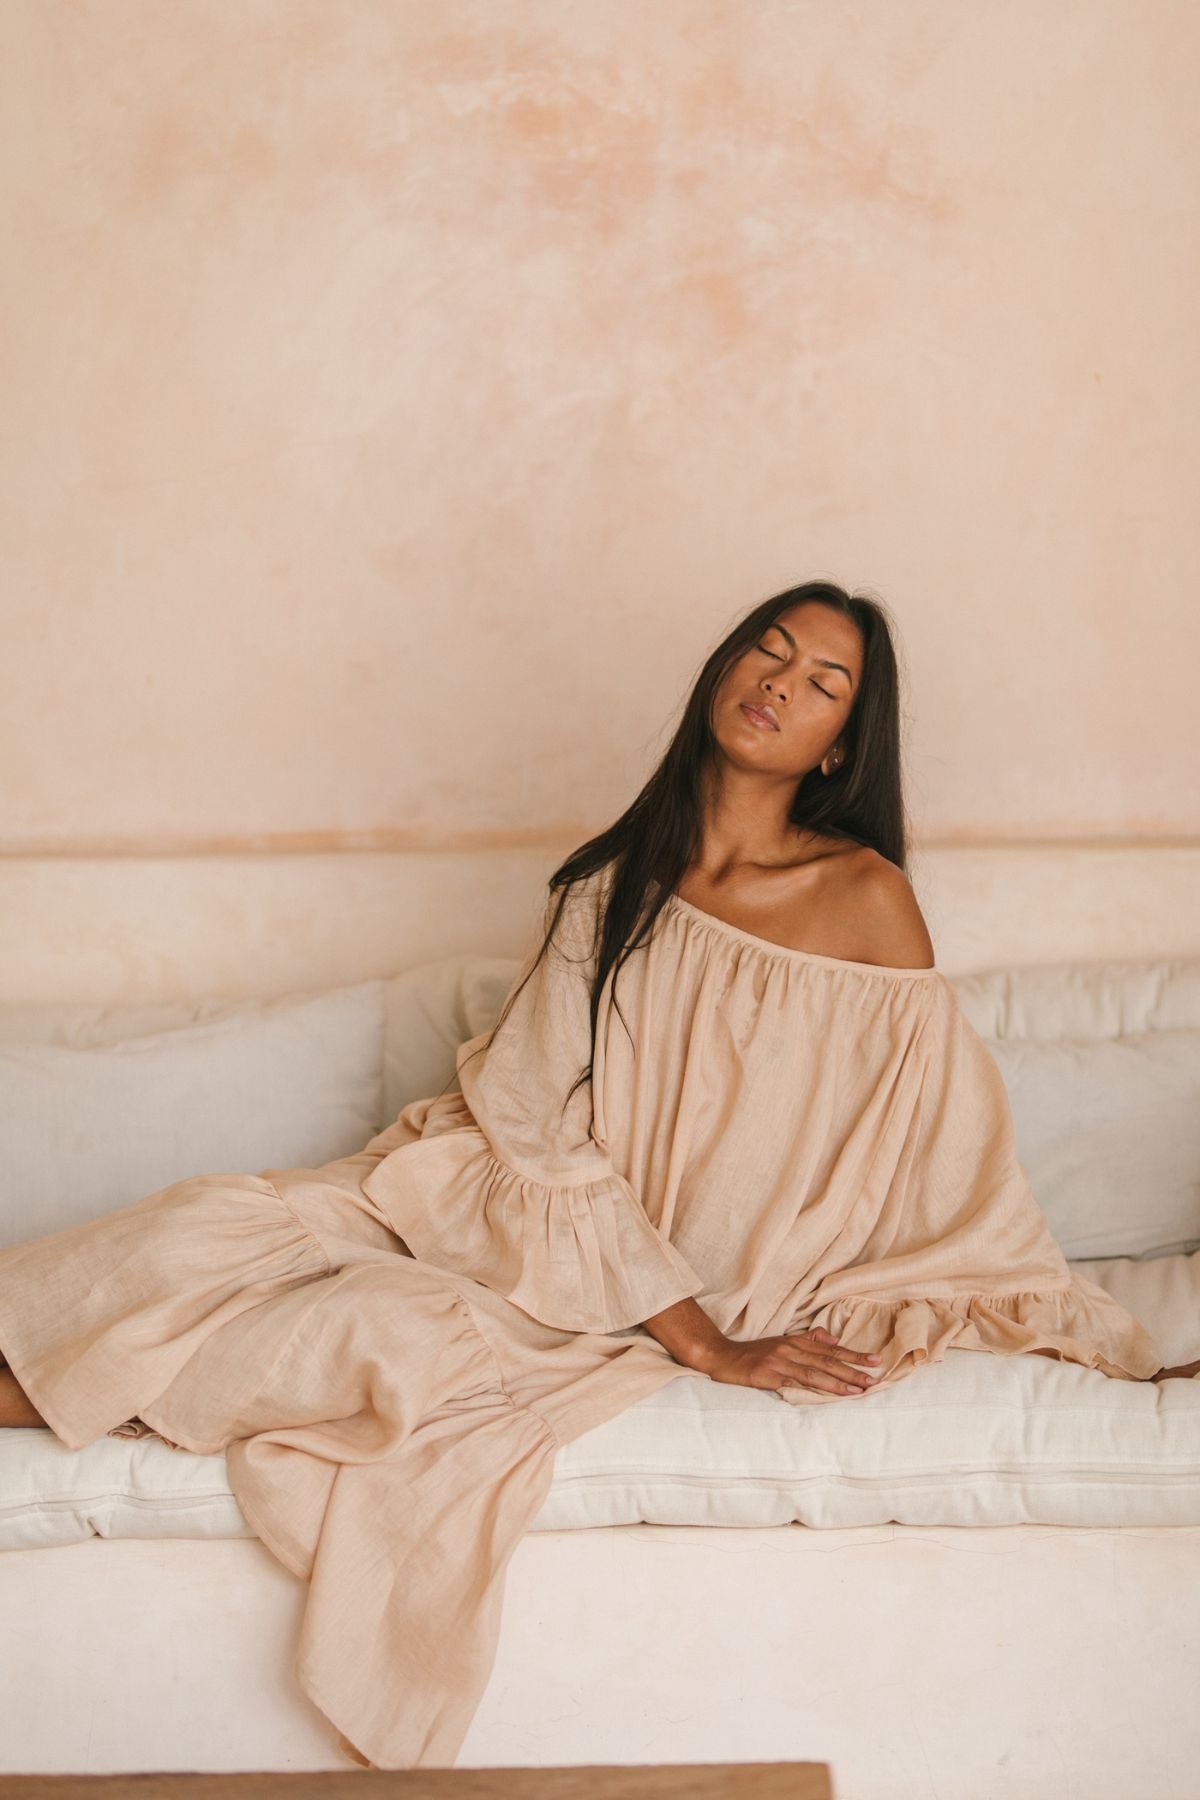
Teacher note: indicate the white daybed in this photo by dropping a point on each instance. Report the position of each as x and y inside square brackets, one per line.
[981, 1582]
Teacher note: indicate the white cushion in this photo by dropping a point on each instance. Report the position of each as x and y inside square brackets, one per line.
[1162, 1293]
[118, 1487]
[291, 1083]
[429, 1011]
[1109, 1134]
[1082, 1000]
[89, 1027]
[977, 1439]
[1101, 1061]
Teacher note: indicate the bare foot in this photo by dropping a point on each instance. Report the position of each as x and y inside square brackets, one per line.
[1185, 1371]
[16, 1408]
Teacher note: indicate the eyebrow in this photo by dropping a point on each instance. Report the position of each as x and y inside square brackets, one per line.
[823, 660]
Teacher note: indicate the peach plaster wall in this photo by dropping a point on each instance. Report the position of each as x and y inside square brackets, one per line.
[400, 400]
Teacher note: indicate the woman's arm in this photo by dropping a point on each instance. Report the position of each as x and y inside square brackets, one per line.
[812, 1359]
[689, 1334]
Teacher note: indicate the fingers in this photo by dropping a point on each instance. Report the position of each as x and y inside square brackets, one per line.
[819, 1331]
[828, 1346]
[824, 1382]
[1184, 1371]
[831, 1379]
[830, 1367]
[831, 1374]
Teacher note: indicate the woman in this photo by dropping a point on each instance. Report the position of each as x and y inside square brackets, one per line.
[731, 1119]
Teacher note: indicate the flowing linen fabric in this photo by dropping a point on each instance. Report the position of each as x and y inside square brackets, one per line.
[390, 1349]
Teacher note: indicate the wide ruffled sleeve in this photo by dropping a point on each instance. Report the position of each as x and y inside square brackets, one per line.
[961, 1255]
[505, 1183]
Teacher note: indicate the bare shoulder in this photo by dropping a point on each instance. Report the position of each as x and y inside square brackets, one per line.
[886, 913]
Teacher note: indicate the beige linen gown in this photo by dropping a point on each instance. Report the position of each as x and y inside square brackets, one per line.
[391, 1348]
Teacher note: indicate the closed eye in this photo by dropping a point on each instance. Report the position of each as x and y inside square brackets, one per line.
[816, 684]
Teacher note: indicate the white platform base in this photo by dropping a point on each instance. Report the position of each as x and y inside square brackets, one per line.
[981, 1664]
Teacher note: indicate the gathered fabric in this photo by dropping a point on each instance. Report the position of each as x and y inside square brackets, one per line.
[390, 1350]
[794, 1140]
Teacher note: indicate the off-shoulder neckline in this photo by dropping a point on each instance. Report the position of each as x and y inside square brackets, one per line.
[785, 950]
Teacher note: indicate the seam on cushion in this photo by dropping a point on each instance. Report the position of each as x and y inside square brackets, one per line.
[728, 1481]
[164, 1502]
[1034, 1410]
[914, 1480]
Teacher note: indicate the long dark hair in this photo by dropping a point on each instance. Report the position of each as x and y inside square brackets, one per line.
[656, 839]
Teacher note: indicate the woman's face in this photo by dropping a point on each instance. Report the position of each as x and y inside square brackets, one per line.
[805, 670]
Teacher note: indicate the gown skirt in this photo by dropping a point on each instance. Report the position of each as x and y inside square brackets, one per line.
[389, 1427]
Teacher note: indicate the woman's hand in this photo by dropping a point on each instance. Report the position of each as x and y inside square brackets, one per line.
[1181, 1372]
[811, 1359]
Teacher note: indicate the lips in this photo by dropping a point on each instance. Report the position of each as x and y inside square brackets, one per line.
[760, 717]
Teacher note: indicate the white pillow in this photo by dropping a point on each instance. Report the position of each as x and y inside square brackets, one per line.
[1162, 1293]
[1101, 998]
[429, 1011]
[268, 1084]
[1108, 1133]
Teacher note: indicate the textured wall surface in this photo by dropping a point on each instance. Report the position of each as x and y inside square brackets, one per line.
[401, 399]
